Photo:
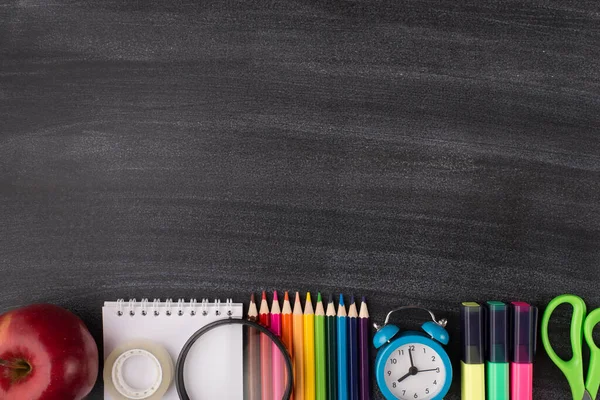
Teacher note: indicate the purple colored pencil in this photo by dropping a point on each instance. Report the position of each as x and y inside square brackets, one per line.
[363, 352]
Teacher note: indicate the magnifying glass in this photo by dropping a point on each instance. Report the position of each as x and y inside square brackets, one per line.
[205, 371]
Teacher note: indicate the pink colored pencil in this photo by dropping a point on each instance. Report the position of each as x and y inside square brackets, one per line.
[266, 385]
[276, 357]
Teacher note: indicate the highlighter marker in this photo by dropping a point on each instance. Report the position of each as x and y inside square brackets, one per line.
[497, 345]
[471, 365]
[523, 339]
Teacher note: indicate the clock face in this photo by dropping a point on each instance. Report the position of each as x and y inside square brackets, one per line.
[415, 371]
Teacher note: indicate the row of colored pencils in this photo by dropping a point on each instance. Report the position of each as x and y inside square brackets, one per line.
[329, 350]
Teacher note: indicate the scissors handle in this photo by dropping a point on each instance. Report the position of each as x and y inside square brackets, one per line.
[593, 376]
[573, 368]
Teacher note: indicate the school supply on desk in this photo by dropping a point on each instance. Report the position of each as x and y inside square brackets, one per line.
[309, 350]
[266, 378]
[353, 347]
[497, 349]
[413, 365]
[582, 326]
[252, 356]
[331, 322]
[320, 351]
[287, 329]
[143, 340]
[324, 347]
[276, 357]
[216, 328]
[342, 353]
[298, 320]
[524, 337]
[363, 352]
[472, 345]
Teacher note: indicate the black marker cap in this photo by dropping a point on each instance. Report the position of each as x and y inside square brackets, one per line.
[471, 323]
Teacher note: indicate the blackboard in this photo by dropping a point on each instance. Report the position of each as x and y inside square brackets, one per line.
[414, 152]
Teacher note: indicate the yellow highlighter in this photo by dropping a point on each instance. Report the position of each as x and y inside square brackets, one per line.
[472, 362]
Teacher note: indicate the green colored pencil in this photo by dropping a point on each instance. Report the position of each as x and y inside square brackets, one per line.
[331, 322]
[320, 351]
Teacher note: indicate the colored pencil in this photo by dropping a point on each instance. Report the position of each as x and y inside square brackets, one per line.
[353, 350]
[320, 351]
[342, 351]
[266, 384]
[298, 356]
[309, 349]
[331, 350]
[287, 330]
[276, 356]
[252, 387]
[363, 352]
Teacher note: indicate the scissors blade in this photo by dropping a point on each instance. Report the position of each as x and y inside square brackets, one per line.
[587, 396]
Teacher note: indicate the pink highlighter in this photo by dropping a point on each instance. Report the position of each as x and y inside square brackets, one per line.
[524, 339]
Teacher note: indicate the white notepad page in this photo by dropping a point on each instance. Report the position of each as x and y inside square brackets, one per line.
[214, 365]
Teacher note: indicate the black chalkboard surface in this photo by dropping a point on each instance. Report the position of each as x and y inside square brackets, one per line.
[415, 152]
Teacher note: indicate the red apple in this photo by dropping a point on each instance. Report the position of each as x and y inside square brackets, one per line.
[46, 353]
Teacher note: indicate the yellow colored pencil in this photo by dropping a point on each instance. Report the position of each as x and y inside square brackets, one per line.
[309, 350]
[298, 346]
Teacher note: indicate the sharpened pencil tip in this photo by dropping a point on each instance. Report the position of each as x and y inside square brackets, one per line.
[330, 297]
[364, 299]
[342, 300]
[319, 297]
[297, 297]
[308, 297]
[286, 296]
[264, 295]
[351, 299]
[275, 297]
[252, 298]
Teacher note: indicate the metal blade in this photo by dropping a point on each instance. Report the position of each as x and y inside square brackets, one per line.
[587, 396]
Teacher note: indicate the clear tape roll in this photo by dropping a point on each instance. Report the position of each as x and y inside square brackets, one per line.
[154, 355]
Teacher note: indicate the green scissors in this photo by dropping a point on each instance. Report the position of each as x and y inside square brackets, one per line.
[581, 326]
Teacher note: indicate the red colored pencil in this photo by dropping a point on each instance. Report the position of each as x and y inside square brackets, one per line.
[276, 356]
[287, 330]
[266, 384]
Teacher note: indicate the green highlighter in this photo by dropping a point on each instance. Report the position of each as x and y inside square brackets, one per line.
[497, 363]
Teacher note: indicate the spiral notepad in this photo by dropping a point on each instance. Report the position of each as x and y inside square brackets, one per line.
[170, 324]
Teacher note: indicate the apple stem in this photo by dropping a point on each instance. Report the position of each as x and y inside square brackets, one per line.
[14, 366]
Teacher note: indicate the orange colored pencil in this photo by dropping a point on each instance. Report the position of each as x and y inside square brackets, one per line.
[298, 345]
[266, 385]
[287, 329]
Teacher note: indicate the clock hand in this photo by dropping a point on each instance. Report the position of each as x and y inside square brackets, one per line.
[427, 370]
[405, 376]
[412, 364]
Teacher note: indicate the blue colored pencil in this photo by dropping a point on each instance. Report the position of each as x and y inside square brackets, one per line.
[353, 350]
[342, 351]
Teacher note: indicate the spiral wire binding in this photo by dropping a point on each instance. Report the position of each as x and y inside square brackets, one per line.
[229, 305]
[144, 307]
[192, 306]
[168, 306]
[120, 307]
[132, 307]
[155, 305]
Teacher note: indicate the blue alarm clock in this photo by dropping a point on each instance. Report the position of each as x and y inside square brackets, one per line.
[413, 365]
